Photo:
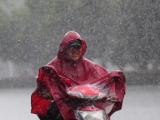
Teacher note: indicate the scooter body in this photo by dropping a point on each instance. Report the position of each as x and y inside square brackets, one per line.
[89, 95]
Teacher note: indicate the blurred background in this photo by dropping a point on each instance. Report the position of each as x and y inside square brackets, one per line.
[120, 34]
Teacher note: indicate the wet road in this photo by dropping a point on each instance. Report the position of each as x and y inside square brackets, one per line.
[140, 103]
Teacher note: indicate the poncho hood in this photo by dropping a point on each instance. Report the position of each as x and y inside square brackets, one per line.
[67, 39]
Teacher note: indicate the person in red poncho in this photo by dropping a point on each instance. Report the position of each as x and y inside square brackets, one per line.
[50, 102]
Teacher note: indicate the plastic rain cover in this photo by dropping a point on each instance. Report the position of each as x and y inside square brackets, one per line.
[88, 91]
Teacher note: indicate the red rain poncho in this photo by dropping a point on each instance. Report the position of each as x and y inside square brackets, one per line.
[62, 72]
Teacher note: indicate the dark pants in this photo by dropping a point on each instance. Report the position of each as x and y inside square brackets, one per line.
[52, 114]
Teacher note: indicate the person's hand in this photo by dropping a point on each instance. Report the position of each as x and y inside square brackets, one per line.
[115, 78]
[112, 99]
[116, 75]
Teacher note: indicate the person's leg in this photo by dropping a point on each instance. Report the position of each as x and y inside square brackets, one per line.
[53, 113]
[58, 117]
[45, 118]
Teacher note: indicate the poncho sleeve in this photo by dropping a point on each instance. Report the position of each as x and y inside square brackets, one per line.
[41, 98]
[119, 88]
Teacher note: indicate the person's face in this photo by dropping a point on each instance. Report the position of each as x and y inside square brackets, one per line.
[74, 53]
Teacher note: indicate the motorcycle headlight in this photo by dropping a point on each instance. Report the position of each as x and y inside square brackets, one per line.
[90, 115]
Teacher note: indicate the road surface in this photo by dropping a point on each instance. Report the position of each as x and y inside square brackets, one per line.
[140, 103]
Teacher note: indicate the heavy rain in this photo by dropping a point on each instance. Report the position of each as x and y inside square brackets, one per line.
[120, 34]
